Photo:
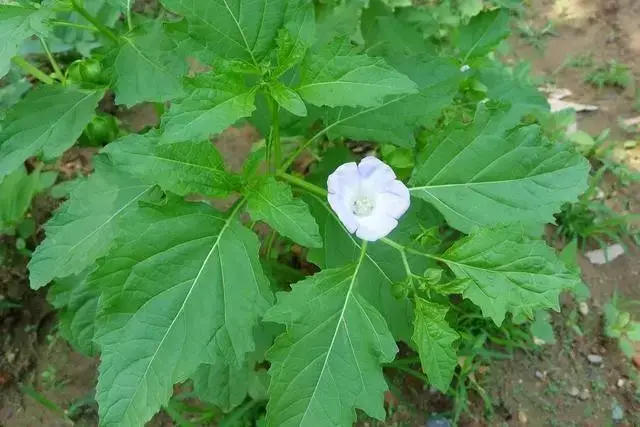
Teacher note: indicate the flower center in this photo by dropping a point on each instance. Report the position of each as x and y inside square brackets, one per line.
[363, 205]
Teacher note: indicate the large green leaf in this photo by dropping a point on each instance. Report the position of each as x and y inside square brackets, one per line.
[148, 67]
[182, 287]
[335, 76]
[327, 363]
[509, 272]
[233, 29]
[434, 338]
[180, 168]
[483, 174]
[83, 228]
[215, 102]
[48, 120]
[272, 202]
[395, 120]
[76, 303]
[483, 33]
[18, 22]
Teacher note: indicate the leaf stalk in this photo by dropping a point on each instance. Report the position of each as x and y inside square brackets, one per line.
[95, 22]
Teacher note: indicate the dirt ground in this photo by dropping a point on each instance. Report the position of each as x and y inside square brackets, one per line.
[535, 388]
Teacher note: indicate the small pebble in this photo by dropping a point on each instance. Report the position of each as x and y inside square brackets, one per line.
[10, 356]
[522, 417]
[538, 341]
[583, 308]
[595, 359]
[540, 375]
[584, 394]
[617, 413]
[574, 391]
[438, 422]
[621, 382]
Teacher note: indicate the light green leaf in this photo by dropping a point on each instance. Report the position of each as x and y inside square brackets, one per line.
[180, 168]
[148, 67]
[483, 33]
[335, 76]
[16, 191]
[18, 22]
[395, 120]
[48, 120]
[509, 272]
[76, 305]
[183, 287]
[541, 327]
[382, 266]
[327, 363]
[83, 228]
[287, 98]
[434, 338]
[272, 202]
[298, 35]
[225, 386]
[216, 101]
[233, 29]
[475, 178]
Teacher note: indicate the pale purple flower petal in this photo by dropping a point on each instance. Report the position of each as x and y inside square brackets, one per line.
[367, 198]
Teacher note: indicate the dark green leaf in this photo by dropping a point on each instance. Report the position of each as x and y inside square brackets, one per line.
[434, 338]
[482, 174]
[48, 121]
[16, 191]
[287, 98]
[272, 202]
[179, 168]
[483, 33]
[336, 76]
[215, 102]
[183, 287]
[148, 67]
[508, 272]
[327, 363]
[83, 228]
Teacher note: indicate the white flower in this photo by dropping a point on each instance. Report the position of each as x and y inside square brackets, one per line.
[367, 198]
[464, 68]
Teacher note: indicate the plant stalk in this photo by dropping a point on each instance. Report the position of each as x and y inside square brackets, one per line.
[76, 26]
[52, 61]
[96, 23]
[299, 182]
[32, 69]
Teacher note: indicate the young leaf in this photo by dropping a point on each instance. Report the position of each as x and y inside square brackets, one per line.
[48, 120]
[83, 228]
[183, 281]
[395, 120]
[77, 311]
[287, 98]
[233, 29]
[16, 191]
[148, 67]
[18, 22]
[335, 76]
[327, 363]
[215, 102]
[508, 272]
[475, 178]
[180, 168]
[272, 202]
[298, 35]
[483, 33]
[434, 338]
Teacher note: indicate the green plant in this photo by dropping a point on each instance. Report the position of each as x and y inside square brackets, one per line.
[168, 289]
[536, 37]
[620, 326]
[613, 73]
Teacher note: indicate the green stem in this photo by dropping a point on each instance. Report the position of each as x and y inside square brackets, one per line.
[52, 61]
[237, 414]
[412, 372]
[129, 21]
[275, 136]
[76, 26]
[32, 69]
[299, 182]
[95, 22]
[300, 150]
[270, 241]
